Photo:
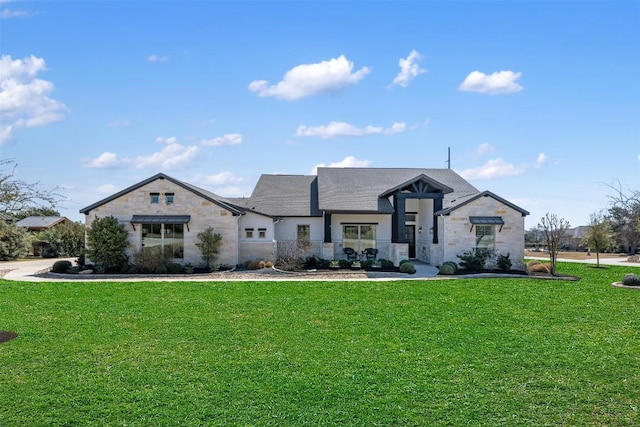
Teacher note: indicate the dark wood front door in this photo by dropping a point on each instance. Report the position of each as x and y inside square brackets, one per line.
[410, 233]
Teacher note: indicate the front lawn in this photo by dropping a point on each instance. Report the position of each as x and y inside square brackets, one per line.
[413, 353]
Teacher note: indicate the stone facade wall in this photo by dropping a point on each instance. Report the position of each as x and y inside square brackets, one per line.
[203, 214]
[459, 236]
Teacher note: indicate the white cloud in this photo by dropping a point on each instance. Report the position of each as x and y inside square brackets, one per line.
[347, 162]
[228, 139]
[222, 178]
[107, 189]
[335, 129]
[484, 148]
[495, 168]
[312, 79]
[409, 69]
[541, 160]
[157, 58]
[24, 99]
[107, 160]
[168, 141]
[7, 13]
[500, 82]
[119, 123]
[638, 157]
[172, 156]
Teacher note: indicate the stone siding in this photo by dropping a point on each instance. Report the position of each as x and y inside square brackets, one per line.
[458, 235]
[203, 214]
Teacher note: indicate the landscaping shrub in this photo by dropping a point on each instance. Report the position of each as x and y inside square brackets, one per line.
[503, 262]
[61, 266]
[452, 264]
[446, 269]
[407, 267]
[262, 264]
[14, 242]
[161, 269]
[474, 259]
[269, 264]
[149, 259]
[631, 280]
[404, 261]
[343, 263]
[49, 251]
[209, 244]
[538, 267]
[174, 268]
[385, 263]
[289, 257]
[253, 265]
[107, 240]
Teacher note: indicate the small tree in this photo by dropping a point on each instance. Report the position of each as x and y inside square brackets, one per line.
[624, 215]
[599, 236]
[17, 195]
[107, 240]
[209, 244]
[553, 230]
[14, 242]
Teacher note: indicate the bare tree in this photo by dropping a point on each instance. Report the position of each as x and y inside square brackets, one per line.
[599, 237]
[17, 195]
[553, 230]
[624, 214]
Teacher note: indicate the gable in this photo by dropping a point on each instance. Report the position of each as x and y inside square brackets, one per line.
[367, 189]
[465, 200]
[206, 195]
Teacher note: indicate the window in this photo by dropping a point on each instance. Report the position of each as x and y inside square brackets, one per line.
[174, 240]
[262, 233]
[168, 198]
[303, 233]
[359, 236]
[171, 240]
[155, 197]
[485, 237]
[248, 232]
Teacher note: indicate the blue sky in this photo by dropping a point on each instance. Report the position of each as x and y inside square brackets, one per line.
[538, 101]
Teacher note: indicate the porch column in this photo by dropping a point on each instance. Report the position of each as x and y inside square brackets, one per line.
[398, 232]
[327, 228]
[437, 205]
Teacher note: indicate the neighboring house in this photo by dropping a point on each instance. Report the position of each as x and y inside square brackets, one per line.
[39, 223]
[429, 214]
[573, 237]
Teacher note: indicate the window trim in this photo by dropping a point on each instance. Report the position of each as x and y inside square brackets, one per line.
[154, 198]
[248, 233]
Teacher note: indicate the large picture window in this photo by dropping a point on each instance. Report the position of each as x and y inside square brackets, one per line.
[485, 237]
[359, 236]
[169, 237]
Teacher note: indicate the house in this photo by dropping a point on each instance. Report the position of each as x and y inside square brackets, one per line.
[428, 214]
[573, 238]
[39, 223]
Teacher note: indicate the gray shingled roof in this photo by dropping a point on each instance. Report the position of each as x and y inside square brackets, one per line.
[41, 222]
[358, 189]
[283, 195]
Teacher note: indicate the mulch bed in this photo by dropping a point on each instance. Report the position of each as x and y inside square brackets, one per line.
[7, 336]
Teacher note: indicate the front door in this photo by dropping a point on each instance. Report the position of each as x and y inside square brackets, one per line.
[410, 233]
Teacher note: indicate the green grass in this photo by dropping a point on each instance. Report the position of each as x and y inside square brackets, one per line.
[462, 352]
